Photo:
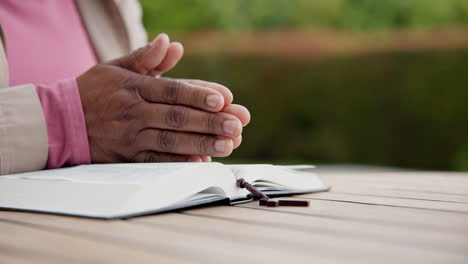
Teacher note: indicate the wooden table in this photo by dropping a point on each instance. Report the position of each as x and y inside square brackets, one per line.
[370, 216]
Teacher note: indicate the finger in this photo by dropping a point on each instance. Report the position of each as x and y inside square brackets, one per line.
[173, 91]
[159, 48]
[237, 141]
[173, 56]
[228, 97]
[152, 156]
[181, 118]
[183, 143]
[146, 58]
[239, 111]
[206, 158]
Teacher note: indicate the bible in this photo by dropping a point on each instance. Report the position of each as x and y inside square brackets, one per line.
[126, 190]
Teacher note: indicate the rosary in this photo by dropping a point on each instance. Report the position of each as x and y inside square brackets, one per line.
[265, 200]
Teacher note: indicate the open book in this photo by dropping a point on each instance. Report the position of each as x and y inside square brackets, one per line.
[126, 190]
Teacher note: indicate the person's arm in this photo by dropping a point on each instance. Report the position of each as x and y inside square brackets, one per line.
[23, 132]
[128, 117]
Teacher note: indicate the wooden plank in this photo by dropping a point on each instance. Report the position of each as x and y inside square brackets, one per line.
[450, 183]
[196, 239]
[172, 241]
[306, 242]
[57, 247]
[18, 256]
[380, 233]
[390, 201]
[399, 185]
[355, 212]
[12, 254]
[398, 193]
[430, 182]
[20, 260]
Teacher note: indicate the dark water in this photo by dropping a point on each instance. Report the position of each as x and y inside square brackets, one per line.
[399, 109]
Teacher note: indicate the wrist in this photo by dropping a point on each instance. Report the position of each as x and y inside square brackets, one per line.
[66, 127]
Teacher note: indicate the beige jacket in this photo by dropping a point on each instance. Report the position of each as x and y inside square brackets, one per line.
[114, 28]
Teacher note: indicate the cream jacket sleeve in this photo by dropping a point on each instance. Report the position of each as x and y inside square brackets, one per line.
[23, 132]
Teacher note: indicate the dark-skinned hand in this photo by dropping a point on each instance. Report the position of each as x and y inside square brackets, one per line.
[133, 117]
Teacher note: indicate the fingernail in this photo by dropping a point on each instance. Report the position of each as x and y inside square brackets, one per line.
[220, 146]
[195, 159]
[158, 38]
[230, 127]
[213, 100]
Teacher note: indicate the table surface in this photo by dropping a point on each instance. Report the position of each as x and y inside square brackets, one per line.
[371, 215]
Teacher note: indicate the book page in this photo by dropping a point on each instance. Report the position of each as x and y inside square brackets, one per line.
[239, 170]
[123, 173]
[116, 190]
[272, 178]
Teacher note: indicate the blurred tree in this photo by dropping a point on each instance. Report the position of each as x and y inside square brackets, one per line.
[196, 15]
[397, 109]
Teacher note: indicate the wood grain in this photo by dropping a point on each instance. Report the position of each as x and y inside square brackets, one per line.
[58, 247]
[391, 201]
[384, 233]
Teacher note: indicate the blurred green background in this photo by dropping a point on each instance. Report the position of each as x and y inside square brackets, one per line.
[333, 81]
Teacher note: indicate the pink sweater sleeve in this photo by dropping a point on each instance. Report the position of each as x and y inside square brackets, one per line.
[66, 127]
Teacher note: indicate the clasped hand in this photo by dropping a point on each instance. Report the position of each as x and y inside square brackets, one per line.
[133, 117]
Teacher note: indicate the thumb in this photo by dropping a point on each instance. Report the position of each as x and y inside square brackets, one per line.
[144, 60]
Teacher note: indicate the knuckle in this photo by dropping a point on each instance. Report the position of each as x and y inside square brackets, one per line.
[132, 83]
[171, 92]
[165, 141]
[198, 97]
[203, 144]
[177, 117]
[209, 121]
